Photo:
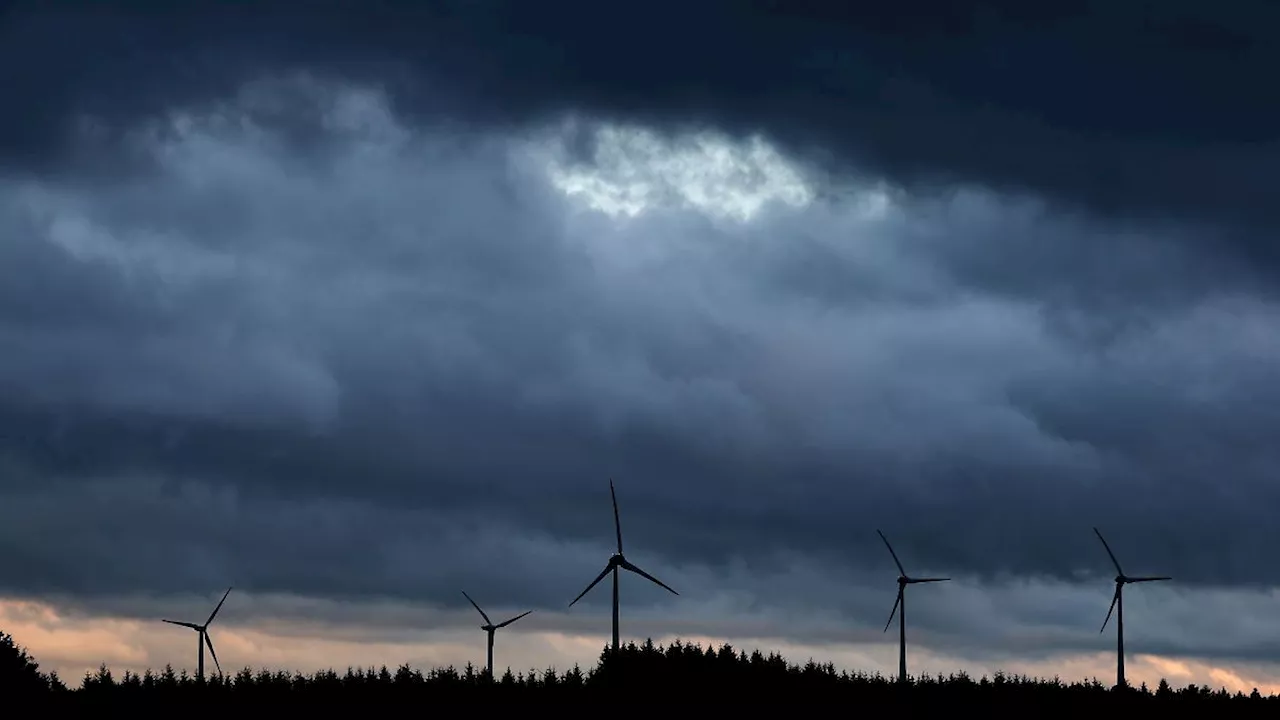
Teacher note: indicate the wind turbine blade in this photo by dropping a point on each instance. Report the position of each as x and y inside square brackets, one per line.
[1112, 555]
[595, 582]
[633, 568]
[212, 652]
[214, 614]
[1111, 609]
[487, 621]
[896, 561]
[617, 523]
[502, 625]
[1148, 579]
[896, 601]
[925, 580]
[193, 626]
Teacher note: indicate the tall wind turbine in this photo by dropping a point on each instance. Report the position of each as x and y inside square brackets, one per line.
[202, 638]
[1117, 605]
[490, 628]
[900, 607]
[617, 562]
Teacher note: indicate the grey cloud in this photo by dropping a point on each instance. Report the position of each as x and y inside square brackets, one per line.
[393, 362]
[1122, 110]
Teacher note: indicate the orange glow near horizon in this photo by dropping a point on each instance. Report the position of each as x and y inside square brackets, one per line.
[74, 646]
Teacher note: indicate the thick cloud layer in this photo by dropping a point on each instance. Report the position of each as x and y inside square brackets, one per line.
[314, 343]
[1128, 108]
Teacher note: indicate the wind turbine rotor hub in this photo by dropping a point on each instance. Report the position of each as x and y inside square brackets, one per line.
[903, 579]
[1120, 579]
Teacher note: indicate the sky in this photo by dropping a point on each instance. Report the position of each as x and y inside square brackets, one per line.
[357, 308]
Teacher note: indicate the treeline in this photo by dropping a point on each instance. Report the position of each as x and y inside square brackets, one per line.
[660, 674]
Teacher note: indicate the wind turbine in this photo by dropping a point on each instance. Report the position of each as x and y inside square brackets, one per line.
[1117, 605]
[900, 607]
[202, 638]
[617, 562]
[490, 628]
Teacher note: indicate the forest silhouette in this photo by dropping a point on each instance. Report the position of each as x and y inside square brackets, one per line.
[648, 672]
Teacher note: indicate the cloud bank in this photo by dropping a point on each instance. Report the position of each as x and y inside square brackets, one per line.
[320, 338]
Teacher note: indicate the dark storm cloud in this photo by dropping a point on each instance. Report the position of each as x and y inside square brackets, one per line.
[390, 361]
[430, 345]
[1128, 108]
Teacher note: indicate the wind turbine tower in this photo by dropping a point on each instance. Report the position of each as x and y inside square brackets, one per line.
[490, 628]
[617, 562]
[202, 638]
[1117, 605]
[900, 607]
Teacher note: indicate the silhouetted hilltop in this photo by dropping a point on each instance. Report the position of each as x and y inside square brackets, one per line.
[676, 672]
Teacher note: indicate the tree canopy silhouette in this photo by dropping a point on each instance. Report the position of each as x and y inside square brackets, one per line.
[20, 673]
[681, 669]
